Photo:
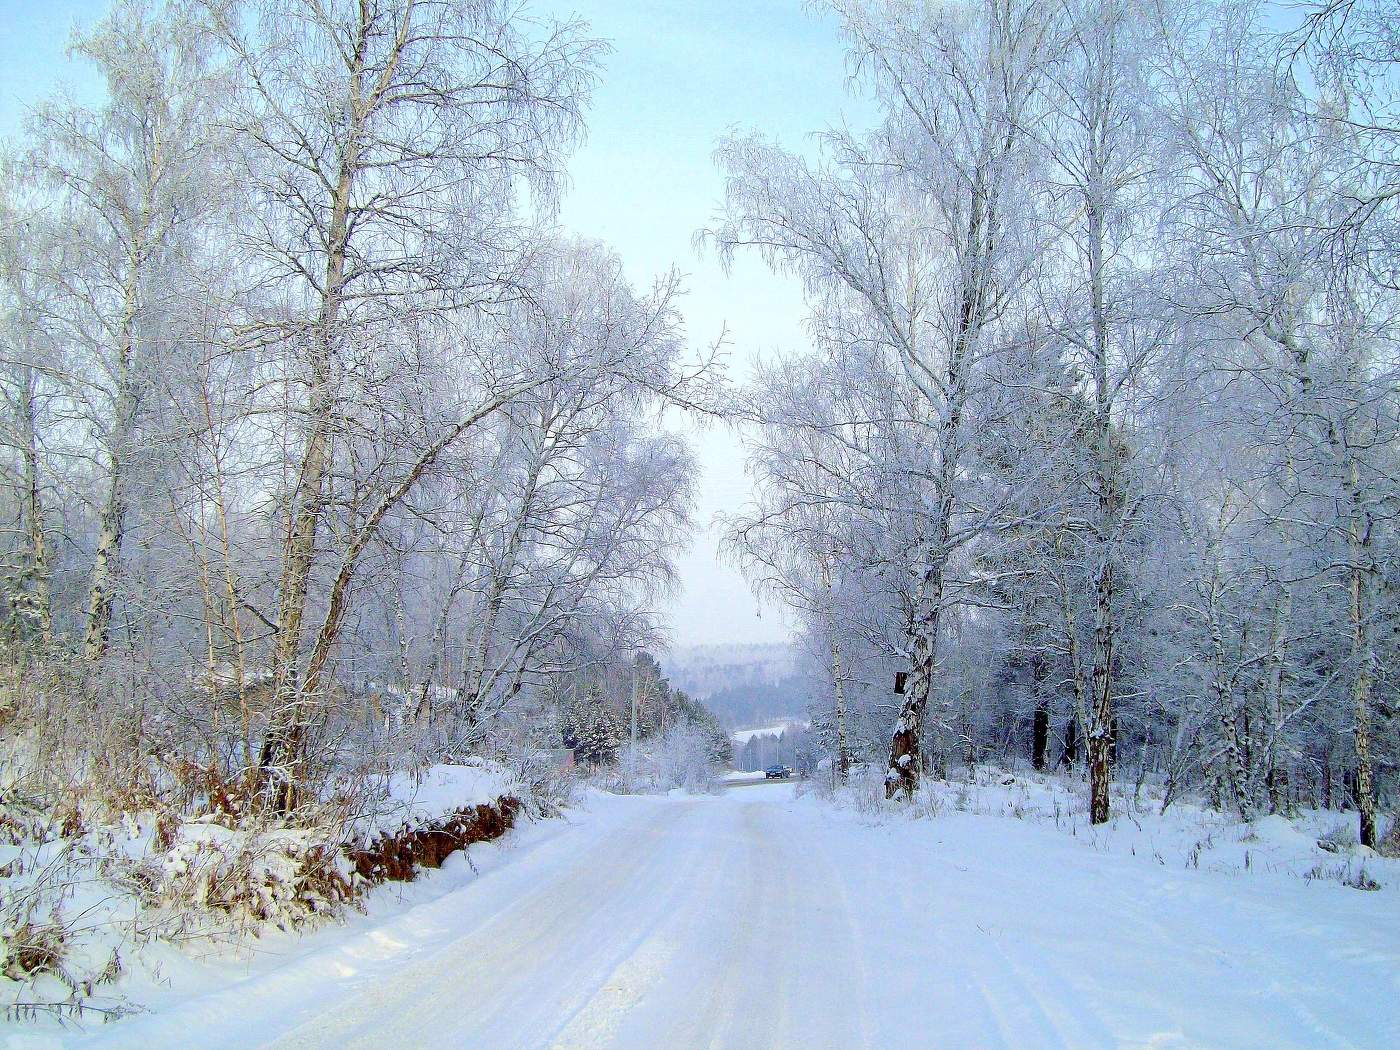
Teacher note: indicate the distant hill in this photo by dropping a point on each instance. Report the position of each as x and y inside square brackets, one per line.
[744, 685]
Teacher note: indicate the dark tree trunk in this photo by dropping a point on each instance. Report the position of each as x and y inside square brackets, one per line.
[1040, 724]
[1071, 744]
[1278, 789]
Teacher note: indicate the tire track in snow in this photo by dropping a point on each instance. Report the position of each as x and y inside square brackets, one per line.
[600, 1015]
[717, 984]
[957, 961]
[823, 926]
[1024, 1012]
[742, 998]
[471, 988]
[621, 935]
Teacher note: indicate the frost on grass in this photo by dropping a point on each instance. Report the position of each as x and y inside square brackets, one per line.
[245, 876]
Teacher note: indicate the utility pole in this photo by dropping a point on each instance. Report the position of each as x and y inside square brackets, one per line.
[636, 688]
[630, 766]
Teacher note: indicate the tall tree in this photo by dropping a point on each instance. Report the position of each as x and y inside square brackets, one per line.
[384, 142]
[1100, 148]
[127, 177]
[922, 228]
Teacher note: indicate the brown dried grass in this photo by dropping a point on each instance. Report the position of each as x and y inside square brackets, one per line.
[397, 857]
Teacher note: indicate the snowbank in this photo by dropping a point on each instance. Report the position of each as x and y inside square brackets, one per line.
[1310, 844]
[99, 919]
[735, 776]
[432, 794]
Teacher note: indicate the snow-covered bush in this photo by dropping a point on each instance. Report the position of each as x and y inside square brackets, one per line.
[75, 733]
[542, 782]
[213, 876]
[33, 935]
[1340, 837]
[59, 943]
[821, 785]
[864, 793]
[219, 870]
[683, 758]
[1390, 845]
[680, 757]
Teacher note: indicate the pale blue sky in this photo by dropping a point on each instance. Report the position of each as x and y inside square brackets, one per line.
[681, 74]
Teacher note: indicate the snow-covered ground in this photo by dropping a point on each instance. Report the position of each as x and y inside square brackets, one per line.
[125, 897]
[737, 776]
[763, 919]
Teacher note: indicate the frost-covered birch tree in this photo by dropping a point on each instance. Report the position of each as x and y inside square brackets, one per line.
[922, 228]
[125, 179]
[384, 143]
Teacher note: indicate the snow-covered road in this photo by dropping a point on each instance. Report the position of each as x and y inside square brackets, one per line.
[758, 920]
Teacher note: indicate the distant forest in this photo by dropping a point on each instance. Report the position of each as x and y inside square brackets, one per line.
[746, 686]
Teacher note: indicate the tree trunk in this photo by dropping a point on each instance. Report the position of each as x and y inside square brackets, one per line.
[38, 561]
[1276, 777]
[282, 745]
[1069, 753]
[475, 681]
[838, 682]
[1040, 734]
[1361, 583]
[287, 733]
[1227, 711]
[1106, 525]
[902, 777]
[112, 522]
[1040, 722]
[1363, 651]
[1101, 710]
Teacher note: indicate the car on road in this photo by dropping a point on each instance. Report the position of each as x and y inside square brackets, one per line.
[777, 772]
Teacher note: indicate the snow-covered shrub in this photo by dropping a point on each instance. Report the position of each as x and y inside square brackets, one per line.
[680, 757]
[33, 936]
[684, 759]
[864, 793]
[1390, 845]
[821, 785]
[58, 946]
[213, 876]
[545, 785]
[1360, 880]
[926, 804]
[80, 733]
[864, 790]
[1348, 874]
[35, 882]
[1340, 837]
